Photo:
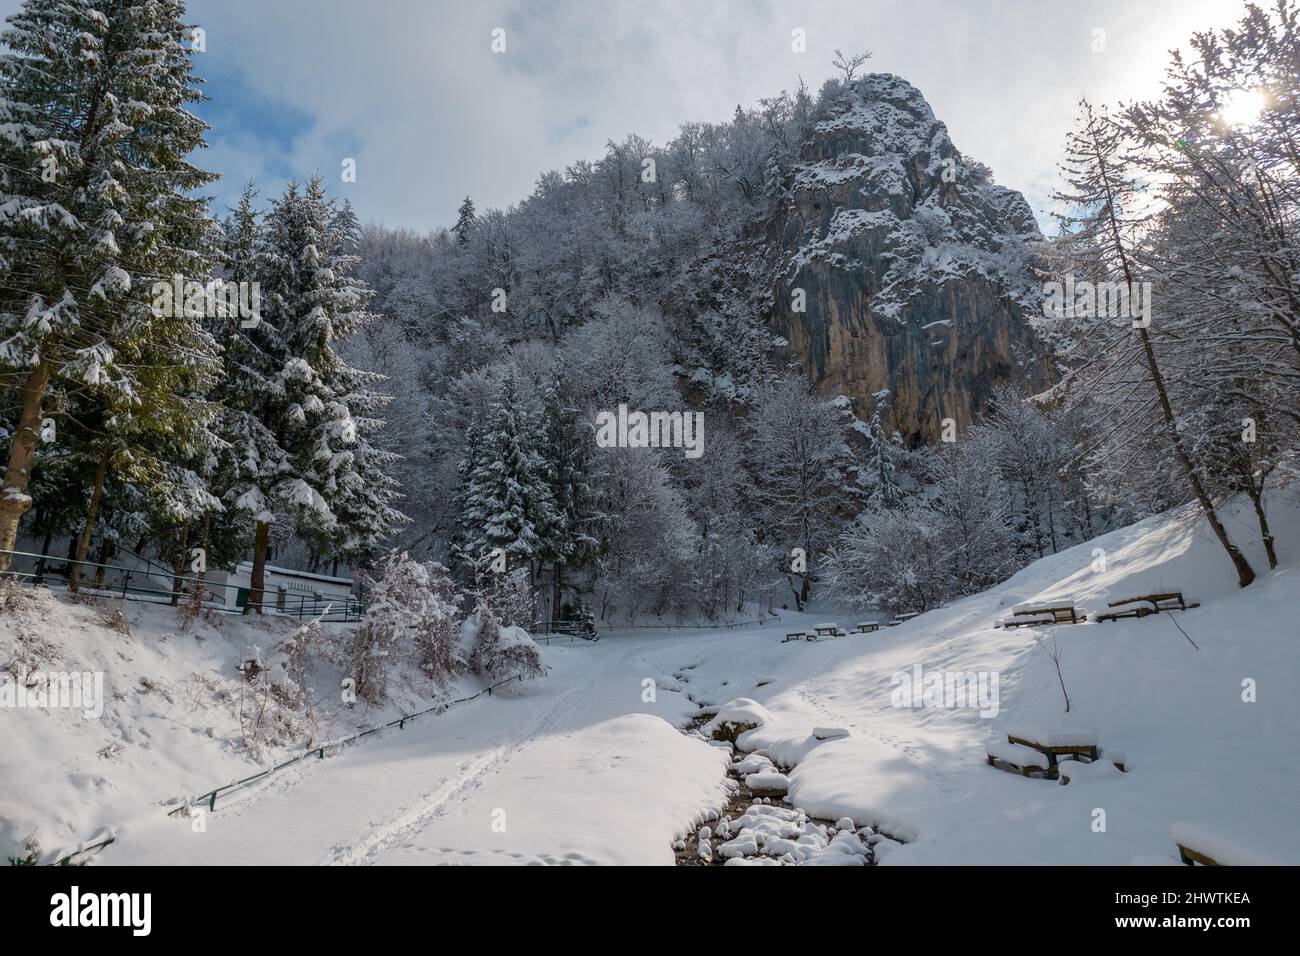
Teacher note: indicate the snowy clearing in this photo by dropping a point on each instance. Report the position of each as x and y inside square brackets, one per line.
[582, 766]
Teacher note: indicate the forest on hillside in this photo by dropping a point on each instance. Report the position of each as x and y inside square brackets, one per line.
[436, 394]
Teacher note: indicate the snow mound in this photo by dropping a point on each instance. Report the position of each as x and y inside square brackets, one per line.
[736, 717]
[830, 733]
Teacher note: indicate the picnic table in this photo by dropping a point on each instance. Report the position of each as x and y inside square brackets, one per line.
[799, 636]
[866, 627]
[1146, 604]
[829, 630]
[1058, 743]
[1066, 614]
[1024, 760]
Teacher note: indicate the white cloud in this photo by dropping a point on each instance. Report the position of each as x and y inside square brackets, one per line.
[413, 91]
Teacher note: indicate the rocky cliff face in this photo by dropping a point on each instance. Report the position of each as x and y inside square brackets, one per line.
[911, 261]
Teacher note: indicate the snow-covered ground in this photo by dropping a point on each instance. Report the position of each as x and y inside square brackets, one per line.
[583, 767]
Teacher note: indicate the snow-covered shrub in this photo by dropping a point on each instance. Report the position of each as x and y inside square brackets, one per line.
[289, 666]
[191, 607]
[411, 610]
[499, 650]
[512, 598]
[113, 618]
[889, 558]
[586, 619]
[274, 697]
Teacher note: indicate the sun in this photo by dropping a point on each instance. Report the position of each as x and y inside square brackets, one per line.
[1241, 107]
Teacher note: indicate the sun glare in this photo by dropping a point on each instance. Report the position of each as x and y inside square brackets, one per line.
[1241, 107]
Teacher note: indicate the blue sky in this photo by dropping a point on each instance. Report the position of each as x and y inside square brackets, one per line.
[412, 90]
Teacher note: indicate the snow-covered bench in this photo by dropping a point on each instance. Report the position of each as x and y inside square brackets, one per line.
[1055, 742]
[866, 627]
[1034, 616]
[1022, 759]
[1146, 604]
[799, 636]
[1216, 846]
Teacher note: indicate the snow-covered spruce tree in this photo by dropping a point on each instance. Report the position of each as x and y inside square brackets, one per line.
[505, 501]
[465, 222]
[250, 462]
[1105, 195]
[879, 475]
[412, 617]
[96, 205]
[363, 493]
[323, 412]
[571, 538]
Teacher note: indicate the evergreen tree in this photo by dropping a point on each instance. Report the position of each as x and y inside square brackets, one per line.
[465, 223]
[98, 200]
[250, 462]
[506, 502]
[335, 486]
[571, 537]
[879, 475]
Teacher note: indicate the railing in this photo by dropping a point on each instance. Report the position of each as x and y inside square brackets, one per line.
[210, 797]
[114, 579]
[117, 581]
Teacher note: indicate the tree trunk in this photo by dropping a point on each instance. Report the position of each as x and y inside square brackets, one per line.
[178, 565]
[88, 528]
[1256, 493]
[101, 558]
[1245, 574]
[334, 568]
[45, 553]
[257, 582]
[14, 500]
[557, 593]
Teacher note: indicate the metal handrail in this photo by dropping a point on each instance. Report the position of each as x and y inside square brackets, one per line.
[305, 606]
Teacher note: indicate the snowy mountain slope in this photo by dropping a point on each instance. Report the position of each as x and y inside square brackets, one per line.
[1194, 750]
[581, 768]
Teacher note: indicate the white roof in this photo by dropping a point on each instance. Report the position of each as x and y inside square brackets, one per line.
[247, 568]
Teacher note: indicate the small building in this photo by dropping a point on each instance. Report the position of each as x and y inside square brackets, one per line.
[292, 592]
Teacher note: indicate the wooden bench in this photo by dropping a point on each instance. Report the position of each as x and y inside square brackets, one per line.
[866, 627]
[1066, 614]
[1146, 604]
[1239, 844]
[1059, 745]
[1191, 857]
[798, 636]
[827, 630]
[1024, 760]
